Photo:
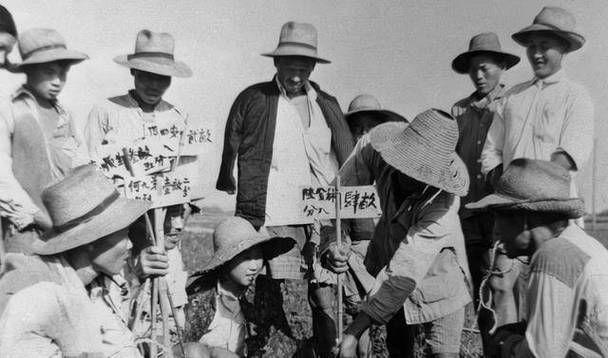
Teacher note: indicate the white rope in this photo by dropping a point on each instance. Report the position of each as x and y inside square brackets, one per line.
[483, 287]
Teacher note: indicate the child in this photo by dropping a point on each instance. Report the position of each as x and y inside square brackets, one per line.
[239, 253]
[38, 140]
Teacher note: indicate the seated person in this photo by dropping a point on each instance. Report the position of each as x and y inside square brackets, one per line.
[567, 292]
[57, 302]
[239, 253]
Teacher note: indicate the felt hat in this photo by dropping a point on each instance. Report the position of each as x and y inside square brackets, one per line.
[84, 207]
[45, 45]
[232, 236]
[484, 43]
[7, 24]
[297, 39]
[554, 20]
[366, 103]
[154, 53]
[535, 186]
[424, 150]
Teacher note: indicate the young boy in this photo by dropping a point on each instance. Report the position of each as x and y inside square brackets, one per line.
[38, 140]
[239, 253]
[122, 120]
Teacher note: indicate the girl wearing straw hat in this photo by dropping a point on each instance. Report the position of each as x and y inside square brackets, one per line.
[417, 252]
[239, 252]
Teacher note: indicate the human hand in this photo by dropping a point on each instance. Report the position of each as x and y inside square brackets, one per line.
[152, 261]
[506, 276]
[336, 259]
[43, 221]
[348, 346]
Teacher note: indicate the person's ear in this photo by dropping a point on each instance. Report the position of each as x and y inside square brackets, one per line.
[132, 72]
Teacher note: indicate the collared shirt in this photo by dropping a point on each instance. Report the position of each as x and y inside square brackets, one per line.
[474, 118]
[15, 203]
[120, 120]
[55, 315]
[538, 118]
[227, 330]
[301, 156]
[418, 239]
[567, 300]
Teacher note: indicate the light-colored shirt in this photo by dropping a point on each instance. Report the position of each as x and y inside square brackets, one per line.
[417, 252]
[227, 330]
[15, 203]
[57, 317]
[538, 118]
[301, 157]
[567, 298]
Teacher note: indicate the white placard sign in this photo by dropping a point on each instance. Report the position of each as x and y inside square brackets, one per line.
[358, 202]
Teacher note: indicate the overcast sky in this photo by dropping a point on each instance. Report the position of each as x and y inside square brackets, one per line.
[399, 51]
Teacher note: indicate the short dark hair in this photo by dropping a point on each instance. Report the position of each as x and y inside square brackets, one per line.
[63, 63]
[7, 24]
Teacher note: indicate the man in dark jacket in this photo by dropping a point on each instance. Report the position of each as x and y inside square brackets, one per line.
[287, 134]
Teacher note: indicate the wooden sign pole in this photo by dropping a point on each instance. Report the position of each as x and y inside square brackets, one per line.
[339, 244]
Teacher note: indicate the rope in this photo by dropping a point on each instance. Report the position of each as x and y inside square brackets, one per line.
[483, 287]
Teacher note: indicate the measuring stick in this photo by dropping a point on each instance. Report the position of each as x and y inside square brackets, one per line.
[339, 243]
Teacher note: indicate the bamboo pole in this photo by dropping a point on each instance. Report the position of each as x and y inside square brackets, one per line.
[594, 187]
[339, 244]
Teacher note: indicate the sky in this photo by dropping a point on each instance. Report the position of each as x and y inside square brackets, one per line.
[398, 51]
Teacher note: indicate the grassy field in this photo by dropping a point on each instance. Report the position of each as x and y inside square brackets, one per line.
[198, 247]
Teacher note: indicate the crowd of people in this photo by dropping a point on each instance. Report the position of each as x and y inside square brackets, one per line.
[478, 206]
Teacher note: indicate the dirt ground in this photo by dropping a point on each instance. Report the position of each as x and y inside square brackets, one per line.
[197, 248]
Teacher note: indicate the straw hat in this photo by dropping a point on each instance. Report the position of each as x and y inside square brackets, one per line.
[84, 207]
[424, 150]
[154, 53]
[297, 39]
[231, 237]
[536, 186]
[484, 43]
[45, 45]
[554, 20]
[366, 103]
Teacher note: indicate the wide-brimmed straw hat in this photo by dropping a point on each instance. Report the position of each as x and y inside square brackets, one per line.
[484, 43]
[231, 237]
[154, 53]
[554, 20]
[84, 207]
[297, 39]
[424, 150]
[45, 45]
[366, 103]
[535, 186]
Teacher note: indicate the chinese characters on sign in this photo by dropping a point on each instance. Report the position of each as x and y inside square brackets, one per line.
[162, 189]
[357, 202]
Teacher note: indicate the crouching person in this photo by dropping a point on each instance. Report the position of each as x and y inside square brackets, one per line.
[417, 252]
[57, 302]
[239, 254]
[566, 311]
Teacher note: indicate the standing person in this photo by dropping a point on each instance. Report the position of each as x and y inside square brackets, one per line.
[8, 36]
[286, 134]
[417, 252]
[485, 63]
[549, 117]
[57, 302]
[567, 292]
[122, 120]
[364, 113]
[38, 139]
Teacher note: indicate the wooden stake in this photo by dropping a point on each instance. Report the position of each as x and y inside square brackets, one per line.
[339, 243]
